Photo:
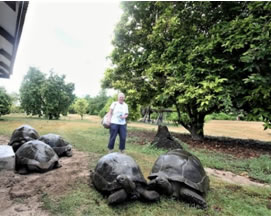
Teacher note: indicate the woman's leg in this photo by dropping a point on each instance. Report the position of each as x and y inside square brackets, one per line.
[113, 134]
[122, 134]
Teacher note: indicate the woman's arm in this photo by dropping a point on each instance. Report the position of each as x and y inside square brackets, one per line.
[124, 116]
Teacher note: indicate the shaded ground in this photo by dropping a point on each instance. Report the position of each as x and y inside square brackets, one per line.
[242, 148]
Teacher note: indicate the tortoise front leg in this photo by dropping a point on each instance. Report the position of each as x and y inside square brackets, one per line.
[192, 197]
[147, 195]
[117, 197]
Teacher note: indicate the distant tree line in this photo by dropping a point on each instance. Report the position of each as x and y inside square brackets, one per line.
[50, 96]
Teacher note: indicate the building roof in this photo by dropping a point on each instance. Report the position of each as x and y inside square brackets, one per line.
[12, 15]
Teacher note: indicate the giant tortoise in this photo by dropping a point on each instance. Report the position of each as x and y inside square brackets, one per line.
[60, 146]
[181, 175]
[35, 156]
[21, 135]
[119, 177]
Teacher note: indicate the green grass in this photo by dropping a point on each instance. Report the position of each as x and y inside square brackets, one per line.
[256, 168]
[223, 199]
[82, 199]
[220, 116]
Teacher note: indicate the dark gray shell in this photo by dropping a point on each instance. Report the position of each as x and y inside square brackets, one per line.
[22, 135]
[181, 166]
[114, 164]
[60, 146]
[35, 155]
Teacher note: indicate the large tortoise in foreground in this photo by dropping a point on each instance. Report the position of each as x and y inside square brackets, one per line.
[35, 156]
[181, 175]
[22, 135]
[119, 177]
[60, 146]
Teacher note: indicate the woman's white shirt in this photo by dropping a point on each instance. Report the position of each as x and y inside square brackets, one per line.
[118, 111]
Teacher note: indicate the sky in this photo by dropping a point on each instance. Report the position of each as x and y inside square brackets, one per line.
[69, 37]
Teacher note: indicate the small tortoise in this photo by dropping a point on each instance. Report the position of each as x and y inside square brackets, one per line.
[119, 177]
[60, 146]
[22, 135]
[181, 175]
[35, 156]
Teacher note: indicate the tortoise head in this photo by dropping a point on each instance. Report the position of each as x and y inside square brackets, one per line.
[128, 185]
[161, 184]
[69, 151]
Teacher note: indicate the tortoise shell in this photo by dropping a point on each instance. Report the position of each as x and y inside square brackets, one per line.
[181, 166]
[114, 164]
[35, 155]
[22, 135]
[60, 146]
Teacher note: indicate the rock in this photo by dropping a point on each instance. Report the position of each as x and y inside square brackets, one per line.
[7, 158]
[163, 139]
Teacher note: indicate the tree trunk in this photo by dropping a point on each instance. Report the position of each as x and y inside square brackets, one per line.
[195, 124]
[159, 120]
[197, 133]
[196, 130]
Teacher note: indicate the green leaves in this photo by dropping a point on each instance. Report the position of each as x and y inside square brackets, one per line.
[196, 56]
[81, 106]
[30, 92]
[5, 102]
[50, 97]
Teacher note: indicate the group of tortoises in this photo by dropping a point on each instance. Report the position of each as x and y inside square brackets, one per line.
[35, 153]
[177, 173]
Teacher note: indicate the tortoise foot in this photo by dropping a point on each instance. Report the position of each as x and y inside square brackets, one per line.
[193, 198]
[117, 197]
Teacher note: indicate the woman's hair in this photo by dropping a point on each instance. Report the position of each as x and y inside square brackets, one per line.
[121, 94]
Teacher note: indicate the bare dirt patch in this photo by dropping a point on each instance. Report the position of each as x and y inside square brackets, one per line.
[232, 178]
[21, 194]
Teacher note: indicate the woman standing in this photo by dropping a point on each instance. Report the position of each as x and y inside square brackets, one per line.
[117, 118]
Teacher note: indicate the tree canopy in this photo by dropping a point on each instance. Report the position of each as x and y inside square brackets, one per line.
[30, 92]
[96, 104]
[198, 57]
[57, 96]
[44, 96]
[81, 106]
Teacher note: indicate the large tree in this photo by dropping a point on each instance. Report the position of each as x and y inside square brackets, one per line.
[246, 46]
[46, 96]
[195, 56]
[57, 96]
[30, 92]
[5, 102]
